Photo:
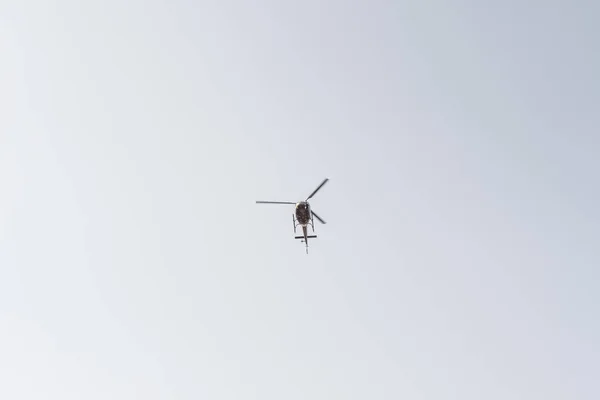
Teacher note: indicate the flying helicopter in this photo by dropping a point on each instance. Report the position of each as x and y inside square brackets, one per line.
[303, 215]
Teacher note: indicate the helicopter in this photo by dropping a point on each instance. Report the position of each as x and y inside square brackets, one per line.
[303, 215]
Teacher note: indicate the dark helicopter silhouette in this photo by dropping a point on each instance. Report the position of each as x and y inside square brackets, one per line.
[303, 215]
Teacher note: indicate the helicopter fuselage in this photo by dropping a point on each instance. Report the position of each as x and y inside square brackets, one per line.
[303, 218]
[303, 215]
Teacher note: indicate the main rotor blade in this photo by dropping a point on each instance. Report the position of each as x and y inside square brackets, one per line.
[319, 218]
[317, 189]
[274, 202]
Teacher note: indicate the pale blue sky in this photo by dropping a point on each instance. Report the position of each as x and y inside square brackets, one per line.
[460, 259]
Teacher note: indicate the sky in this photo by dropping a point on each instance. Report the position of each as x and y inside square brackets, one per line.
[461, 251]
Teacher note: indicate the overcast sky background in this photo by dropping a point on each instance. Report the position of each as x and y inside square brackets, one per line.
[460, 259]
